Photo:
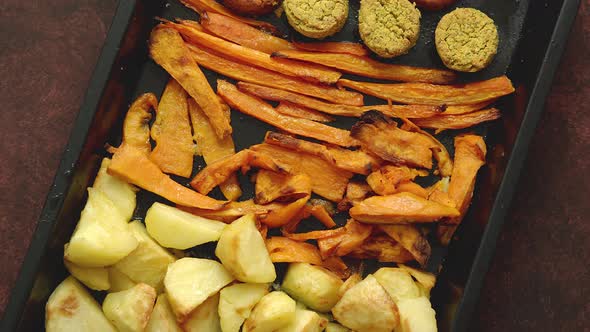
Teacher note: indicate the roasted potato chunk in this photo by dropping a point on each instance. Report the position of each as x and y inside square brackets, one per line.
[314, 286]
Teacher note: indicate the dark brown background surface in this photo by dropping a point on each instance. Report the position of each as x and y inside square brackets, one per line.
[539, 279]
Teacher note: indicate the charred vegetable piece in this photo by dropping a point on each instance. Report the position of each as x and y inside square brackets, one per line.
[273, 186]
[412, 239]
[382, 248]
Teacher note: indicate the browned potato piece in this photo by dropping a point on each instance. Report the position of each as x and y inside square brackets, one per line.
[252, 7]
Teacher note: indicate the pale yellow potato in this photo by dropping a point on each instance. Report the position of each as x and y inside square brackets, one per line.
[425, 280]
[205, 317]
[305, 321]
[174, 228]
[162, 318]
[236, 303]
[314, 286]
[335, 327]
[121, 193]
[243, 252]
[130, 310]
[398, 283]
[96, 278]
[274, 311]
[349, 283]
[119, 280]
[71, 308]
[416, 315]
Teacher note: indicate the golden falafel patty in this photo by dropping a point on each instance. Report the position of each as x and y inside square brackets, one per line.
[316, 18]
[466, 40]
[389, 27]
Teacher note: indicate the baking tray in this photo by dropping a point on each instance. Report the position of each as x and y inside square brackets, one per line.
[533, 35]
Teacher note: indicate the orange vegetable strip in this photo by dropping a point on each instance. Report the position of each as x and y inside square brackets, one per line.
[212, 148]
[410, 237]
[463, 109]
[315, 235]
[297, 111]
[342, 244]
[264, 112]
[440, 153]
[269, 93]
[308, 72]
[458, 121]
[384, 249]
[136, 129]
[320, 213]
[174, 149]
[168, 50]
[231, 211]
[414, 188]
[337, 266]
[239, 71]
[365, 66]
[430, 94]
[332, 47]
[133, 166]
[242, 33]
[282, 215]
[272, 186]
[285, 250]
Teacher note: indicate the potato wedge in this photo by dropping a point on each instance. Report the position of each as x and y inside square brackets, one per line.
[305, 321]
[398, 283]
[331, 47]
[190, 281]
[314, 286]
[236, 303]
[302, 112]
[121, 193]
[349, 283]
[96, 278]
[424, 279]
[412, 239]
[162, 318]
[274, 311]
[119, 280]
[130, 310]
[242, 251]
[335, 327]
[416, 315]
[70, 308]
[367, 307]
[459, 121]
[204, 317]
[174, 228]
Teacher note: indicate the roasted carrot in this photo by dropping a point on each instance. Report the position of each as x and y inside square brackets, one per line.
[231, 211]
[133, 166]
[273, 186]
[430, 94]
[400, 208]
[136, 128]
[259, 109]
[297, 111]
[171, 131]
[239, 71]
[353, 161]
[365, 66]
[241, 33]
[308, 72]
[285, 250]
[331, 47]
[410, 237]
[342, 244]
[458, 121]
[168, 50]
[269, 93]
[384, 249]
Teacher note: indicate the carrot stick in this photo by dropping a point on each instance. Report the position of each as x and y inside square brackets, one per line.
[302, 112]
[458, 121]
[332, 47]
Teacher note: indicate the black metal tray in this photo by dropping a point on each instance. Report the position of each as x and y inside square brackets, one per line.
[532, 33]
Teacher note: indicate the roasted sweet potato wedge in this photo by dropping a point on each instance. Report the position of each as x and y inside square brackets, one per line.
[356, 192]
[365, 66]
[331, 47]
[302, 112]
[259, 109]
[342, 244]
[281, 214]
[171, 131]
[412, 239]
[285, 250]
[133, 166]
[243, 72]
[414, 188]
[231, 211]
[314, 235]
[273, 186]
[430, 94]
[321, 213]
[136, 128]
[384, 249]
[459, 121]
[400, 208]
[382, 137]
[169, 51]
[387, 179]
[464, 109]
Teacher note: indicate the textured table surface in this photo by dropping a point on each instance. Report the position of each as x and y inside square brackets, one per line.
[539, 278]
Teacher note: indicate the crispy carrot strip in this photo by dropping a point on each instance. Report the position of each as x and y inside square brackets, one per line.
[430, 94]
[133, 166]
[464, 109]
[212, 6]
[174, 149]
[459, 121]
[308, 72]
[231, 211]
[365, 66]
[384, 249]
[302, 112]
[242, 33]
[352, 161]
[410, 237]
[273, 186]
[264, 92]
[400, 208]
[284, 213]
[136, 129]
[331, 47]
[326, 180]
[213, 148]
[239, 71]
[342, 244]
[257, 108]
[285, 250]
[168, 49]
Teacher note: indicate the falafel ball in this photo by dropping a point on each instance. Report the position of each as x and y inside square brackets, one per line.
[466, 40]
[389, 27]
[316, 18]
[252, 7]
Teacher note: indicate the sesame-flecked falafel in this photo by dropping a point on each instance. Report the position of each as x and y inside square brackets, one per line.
[466, 40]
[316, 18]
[389, 27]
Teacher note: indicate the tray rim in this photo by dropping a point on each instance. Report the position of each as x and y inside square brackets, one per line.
[102, 71]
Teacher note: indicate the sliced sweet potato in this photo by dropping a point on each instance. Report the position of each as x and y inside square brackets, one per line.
[168, 50]
[440, 152]
[331, 47]
[337, 266]
[430, 94]
[348, 160]
[282, 213]
[285, 250]
[241, 33]
[321, 213]
[400, 208]
[382, 137]
[171, 131]
[459, 121]
[365, 66]
[414, 188]
[213, 148]
[259, 109]
[342, 244]
[326, 180]
[269, 93]
[231, 211]
[243, 72]
[308, 72]
[302, 112]
[136, 128]
[273, 186]
[464, 109]
[387, 179]
[133, 166]
[355, 192]
[384, 249]
[412, 239]
[314, 235]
